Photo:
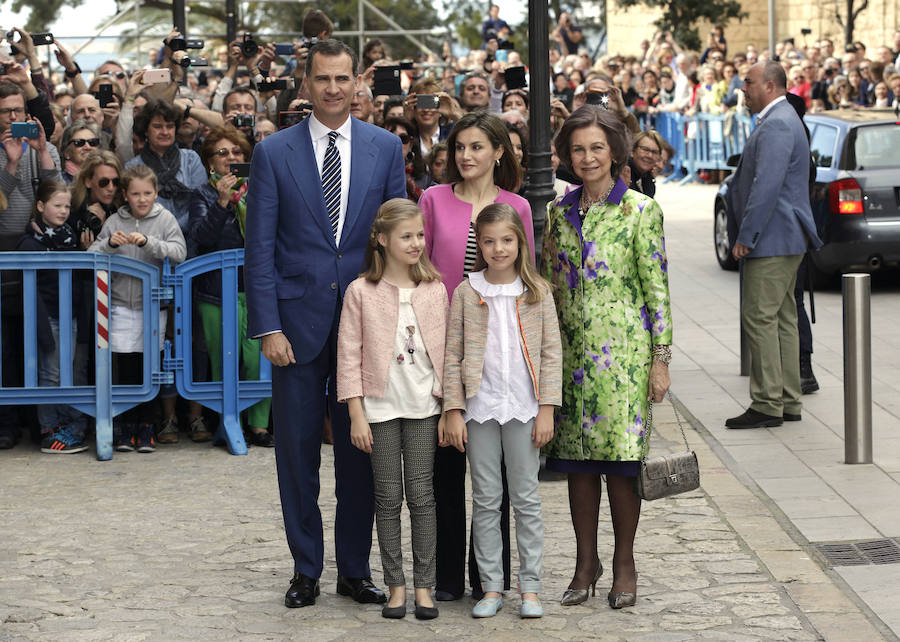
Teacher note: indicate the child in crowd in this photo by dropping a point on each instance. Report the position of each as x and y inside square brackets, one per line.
[145, 230]
[502, 379]
[62, 427]
[390, 366]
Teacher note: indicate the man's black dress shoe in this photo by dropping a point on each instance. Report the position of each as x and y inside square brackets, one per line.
[303, 592]
[360, 589]
[7, 441]
[789, 416]
[754, 419]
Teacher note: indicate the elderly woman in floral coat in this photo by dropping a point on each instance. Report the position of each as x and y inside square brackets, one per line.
[604, 251]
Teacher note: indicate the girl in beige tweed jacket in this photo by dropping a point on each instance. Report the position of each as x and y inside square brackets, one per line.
[502, 381]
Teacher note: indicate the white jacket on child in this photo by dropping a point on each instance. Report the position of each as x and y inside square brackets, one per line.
[164, 240]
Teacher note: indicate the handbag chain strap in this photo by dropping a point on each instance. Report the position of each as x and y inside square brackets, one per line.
[645, 447]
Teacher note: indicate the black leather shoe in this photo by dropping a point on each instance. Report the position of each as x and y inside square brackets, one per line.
[7, 441]
[754, 419]
[303, 591]
[263, 439]
[446, 596]
[360, 589]
[789, 416]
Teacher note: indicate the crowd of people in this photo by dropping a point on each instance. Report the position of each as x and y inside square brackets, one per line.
[512, 355]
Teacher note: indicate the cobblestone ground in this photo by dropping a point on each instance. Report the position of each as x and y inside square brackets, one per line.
[187, 543]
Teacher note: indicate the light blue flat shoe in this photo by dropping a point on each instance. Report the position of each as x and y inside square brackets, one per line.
[531, 609]
[487, 607]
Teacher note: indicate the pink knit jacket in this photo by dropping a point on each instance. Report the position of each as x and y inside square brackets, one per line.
[367, 331]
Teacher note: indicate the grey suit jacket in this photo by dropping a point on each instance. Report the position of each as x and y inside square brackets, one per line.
[769, 193]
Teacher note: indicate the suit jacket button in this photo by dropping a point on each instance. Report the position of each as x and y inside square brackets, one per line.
[334, 286]
[340, 256]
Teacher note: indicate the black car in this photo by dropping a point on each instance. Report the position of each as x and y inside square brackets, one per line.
[856, 198]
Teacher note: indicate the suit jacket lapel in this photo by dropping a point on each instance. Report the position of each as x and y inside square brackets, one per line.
[363, 155]
[302, 165]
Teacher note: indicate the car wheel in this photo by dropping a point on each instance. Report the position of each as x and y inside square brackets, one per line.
[720, 238]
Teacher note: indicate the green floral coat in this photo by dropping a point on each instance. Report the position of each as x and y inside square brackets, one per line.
[612, 297]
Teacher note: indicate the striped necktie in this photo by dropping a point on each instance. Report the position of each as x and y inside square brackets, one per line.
[331, 182]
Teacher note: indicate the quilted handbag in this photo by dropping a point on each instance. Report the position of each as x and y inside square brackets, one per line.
[669, 474]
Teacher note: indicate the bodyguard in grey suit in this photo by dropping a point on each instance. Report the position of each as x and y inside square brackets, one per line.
[770, 198]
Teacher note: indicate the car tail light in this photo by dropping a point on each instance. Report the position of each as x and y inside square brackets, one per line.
[846, 197]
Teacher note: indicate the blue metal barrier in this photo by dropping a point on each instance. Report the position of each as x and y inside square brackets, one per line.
[671, 127]
[101, 400]
[703, 141]
[231, 395]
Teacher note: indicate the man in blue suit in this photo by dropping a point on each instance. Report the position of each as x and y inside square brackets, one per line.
[770, 198]
[315, 189]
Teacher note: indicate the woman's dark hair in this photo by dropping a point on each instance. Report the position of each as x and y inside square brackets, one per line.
[508, 174]
[522, 132]
[389, 104]
[367, 49]
[156, 107]
[214, 137]
[514, 92]
[617, 135]
[415, 149]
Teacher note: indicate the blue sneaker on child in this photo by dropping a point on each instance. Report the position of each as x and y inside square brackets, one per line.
[62, 441]
[145, 438]
[123, 437]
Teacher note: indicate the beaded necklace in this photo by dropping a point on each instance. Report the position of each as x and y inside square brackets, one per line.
[587, 204]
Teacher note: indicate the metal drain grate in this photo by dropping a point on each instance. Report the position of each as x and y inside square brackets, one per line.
[876, 551]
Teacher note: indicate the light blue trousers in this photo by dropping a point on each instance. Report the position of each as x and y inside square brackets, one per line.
[488, 443]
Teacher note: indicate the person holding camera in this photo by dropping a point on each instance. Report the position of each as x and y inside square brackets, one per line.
[95, 194]
[568, 35]
[26, 159]
[491, 28]
[218, 222]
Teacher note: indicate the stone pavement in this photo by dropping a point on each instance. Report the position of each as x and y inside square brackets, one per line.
[187, 543]
[798, 466]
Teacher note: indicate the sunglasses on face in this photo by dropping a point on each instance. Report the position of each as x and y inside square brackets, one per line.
[235, 151]
[104, 182]
[81, 142]
[404, 138]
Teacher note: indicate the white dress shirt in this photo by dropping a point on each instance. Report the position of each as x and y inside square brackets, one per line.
[319, 134]
[768, 108]
[506, 391]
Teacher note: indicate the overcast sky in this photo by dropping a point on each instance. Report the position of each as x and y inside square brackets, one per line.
[84, 20]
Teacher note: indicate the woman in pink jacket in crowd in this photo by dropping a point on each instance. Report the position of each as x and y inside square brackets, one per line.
[481, 169]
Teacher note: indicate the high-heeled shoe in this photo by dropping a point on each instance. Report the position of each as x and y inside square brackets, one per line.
[578, 596]
[622, 599]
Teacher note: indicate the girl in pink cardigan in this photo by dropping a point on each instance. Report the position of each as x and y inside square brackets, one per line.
[390, 371]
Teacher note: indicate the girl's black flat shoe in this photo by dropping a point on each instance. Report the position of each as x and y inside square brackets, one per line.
[396, 612]
[426, 612]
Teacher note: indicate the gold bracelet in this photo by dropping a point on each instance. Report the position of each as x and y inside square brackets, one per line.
[662, 353]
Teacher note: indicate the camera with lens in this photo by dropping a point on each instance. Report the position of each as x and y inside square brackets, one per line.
[248, 46]
[91, 223]
[244, 120]
[309, 42]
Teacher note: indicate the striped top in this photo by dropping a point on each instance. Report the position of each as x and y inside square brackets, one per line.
[471, 251]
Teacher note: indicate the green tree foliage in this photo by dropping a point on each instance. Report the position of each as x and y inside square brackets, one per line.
[43, 12]
[681, 16]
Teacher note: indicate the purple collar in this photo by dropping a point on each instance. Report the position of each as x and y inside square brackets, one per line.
[573, 199]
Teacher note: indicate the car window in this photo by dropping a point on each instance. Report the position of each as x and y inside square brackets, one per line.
[877, 146]
[821, 145]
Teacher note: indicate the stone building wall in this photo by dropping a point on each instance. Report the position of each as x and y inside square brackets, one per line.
[875, 26]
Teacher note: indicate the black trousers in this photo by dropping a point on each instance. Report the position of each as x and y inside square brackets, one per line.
[804, 329]
[127, 368]
[450, 504]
